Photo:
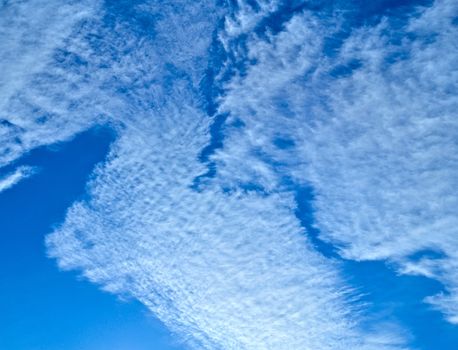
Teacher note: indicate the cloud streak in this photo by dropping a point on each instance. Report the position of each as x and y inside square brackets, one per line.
[11, 179]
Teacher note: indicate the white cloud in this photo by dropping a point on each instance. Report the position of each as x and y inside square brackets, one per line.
[247, 15]
[13, 178]
[225, 270]
[33, 103]
[378, 144]
[29, 33]
[230, 271]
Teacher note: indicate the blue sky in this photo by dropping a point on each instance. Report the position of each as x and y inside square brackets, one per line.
[228, 175]
[42, 308]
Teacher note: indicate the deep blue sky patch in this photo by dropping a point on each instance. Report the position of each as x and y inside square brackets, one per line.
[40, 307]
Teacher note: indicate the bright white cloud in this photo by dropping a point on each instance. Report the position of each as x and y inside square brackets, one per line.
[29, 32]
[378, 144]
[247, 15]
[33, 107]
[229, 270]
[13, 178]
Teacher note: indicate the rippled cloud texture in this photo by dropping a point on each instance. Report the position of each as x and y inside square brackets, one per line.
[222, 111]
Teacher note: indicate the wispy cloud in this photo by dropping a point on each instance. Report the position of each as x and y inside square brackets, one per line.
[225, 267]
[224, 270]
[372, 129]
[11, 179]
[231, 271]
[31, 89]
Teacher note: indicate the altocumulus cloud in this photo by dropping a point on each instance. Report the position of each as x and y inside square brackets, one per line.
[372, 129]
[223, 266]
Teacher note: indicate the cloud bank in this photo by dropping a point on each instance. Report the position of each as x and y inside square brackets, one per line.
[373, 130]
[227, 265]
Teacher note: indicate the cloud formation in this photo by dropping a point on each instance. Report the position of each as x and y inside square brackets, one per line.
[373, 130]
[224, 270]
[224, 266]
[13, 178]
[34, 106]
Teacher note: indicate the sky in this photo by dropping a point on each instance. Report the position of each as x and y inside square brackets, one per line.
[42, 308]
[246, 174]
